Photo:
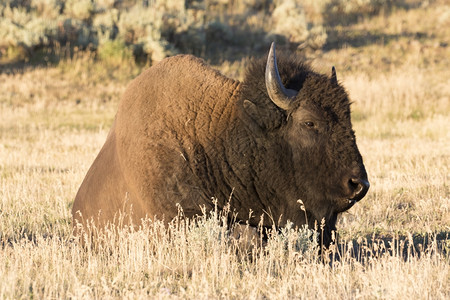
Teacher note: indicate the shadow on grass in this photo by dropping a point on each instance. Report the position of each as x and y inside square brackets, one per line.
[38, 58]
[339, 38]
[18, 66]
[338, 12]
[404, 246]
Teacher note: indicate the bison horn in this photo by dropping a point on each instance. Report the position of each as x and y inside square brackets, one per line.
[279, 95]
[333, 76]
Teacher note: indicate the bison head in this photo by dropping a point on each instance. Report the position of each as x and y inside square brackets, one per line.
[304, 118]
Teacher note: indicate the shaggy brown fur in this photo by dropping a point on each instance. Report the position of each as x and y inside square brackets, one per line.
[184, 133]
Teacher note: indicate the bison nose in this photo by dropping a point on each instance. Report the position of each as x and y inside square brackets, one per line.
[358, 188]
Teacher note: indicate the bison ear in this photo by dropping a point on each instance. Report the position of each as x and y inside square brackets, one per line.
[254, 114]
[251, 109]
[259, 118]
[333, 76]
[249, 105]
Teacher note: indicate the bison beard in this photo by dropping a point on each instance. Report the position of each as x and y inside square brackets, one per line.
[184, 133]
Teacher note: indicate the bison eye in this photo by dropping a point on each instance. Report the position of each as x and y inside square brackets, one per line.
[309, 124]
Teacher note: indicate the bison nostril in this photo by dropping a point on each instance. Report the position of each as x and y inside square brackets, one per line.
[354, 184]
[359, 188]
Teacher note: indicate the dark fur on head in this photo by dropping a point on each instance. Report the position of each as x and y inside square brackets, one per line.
[323, 158]
[295, 72]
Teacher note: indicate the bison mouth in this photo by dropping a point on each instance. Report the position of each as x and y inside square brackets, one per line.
[350, 203]
[358, 188]
[344, 204]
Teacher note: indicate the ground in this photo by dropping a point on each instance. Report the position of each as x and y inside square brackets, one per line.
[55, 118]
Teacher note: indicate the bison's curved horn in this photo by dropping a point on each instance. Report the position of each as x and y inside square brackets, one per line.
[279, 95]
[333, 76]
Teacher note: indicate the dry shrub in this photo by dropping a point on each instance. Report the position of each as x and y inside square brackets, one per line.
[289, 20]
[155, 29]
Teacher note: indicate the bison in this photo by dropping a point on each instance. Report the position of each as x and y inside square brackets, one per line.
[185, 133]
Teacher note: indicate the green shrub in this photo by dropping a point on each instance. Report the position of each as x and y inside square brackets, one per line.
[289, 19]
[80, 9]
[155, 29]
[77, 33]
[114, 51]
[49, 9]
[22, 32]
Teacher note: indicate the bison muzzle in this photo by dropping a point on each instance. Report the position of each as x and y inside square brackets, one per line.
[185, 133]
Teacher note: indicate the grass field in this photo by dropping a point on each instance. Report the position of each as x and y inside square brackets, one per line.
[394, 244]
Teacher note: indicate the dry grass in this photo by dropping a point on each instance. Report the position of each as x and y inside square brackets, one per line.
[53, 122]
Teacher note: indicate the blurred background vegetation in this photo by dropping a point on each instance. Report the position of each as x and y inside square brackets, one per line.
[44, 31]
[65, 64]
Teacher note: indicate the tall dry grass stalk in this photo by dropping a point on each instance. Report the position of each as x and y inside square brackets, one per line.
[197, 260]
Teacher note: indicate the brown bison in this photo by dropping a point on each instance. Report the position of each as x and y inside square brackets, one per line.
[185, 133]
